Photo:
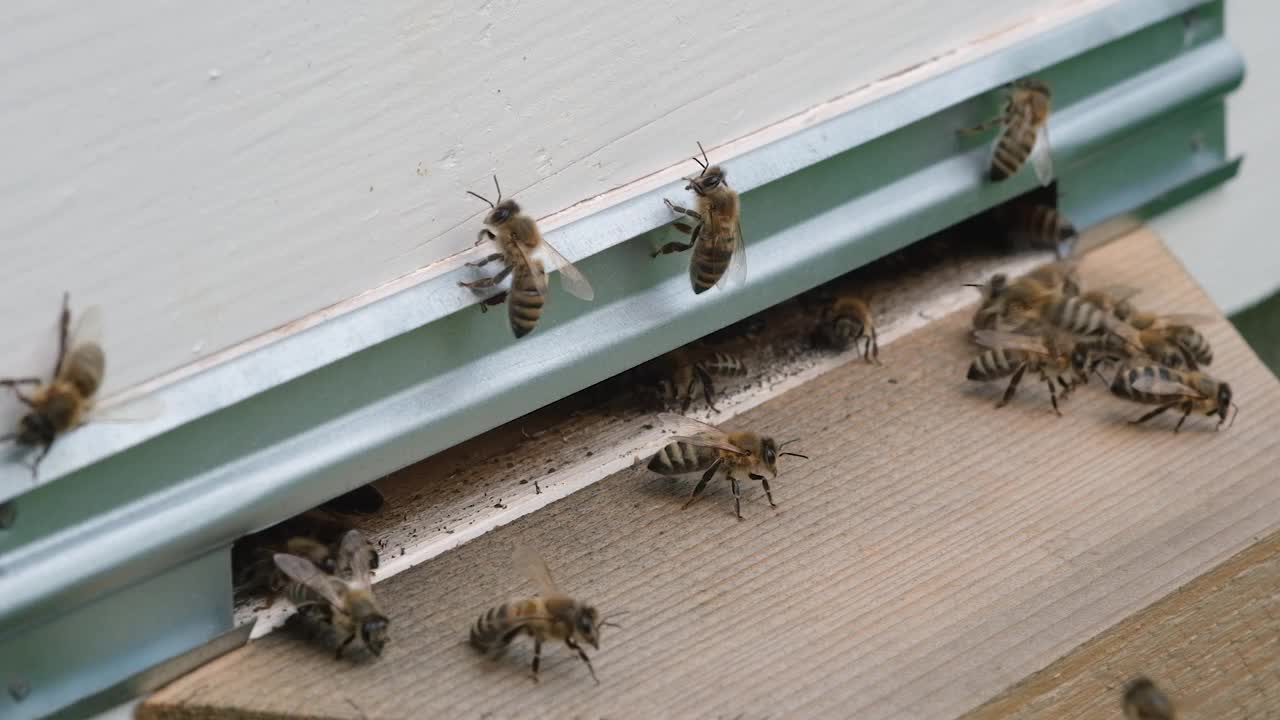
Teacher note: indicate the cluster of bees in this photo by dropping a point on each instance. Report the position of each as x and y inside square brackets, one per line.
[1046, 323]
[1043, 323]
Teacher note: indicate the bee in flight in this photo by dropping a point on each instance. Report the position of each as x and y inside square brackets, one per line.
[1052, 355]
[550, 615]
[68, 400]
[1188, 390]
[716, 235]
[1024, 133]
[343, 600]
[709, 450]
[1144, 701]
[528, 257]
[847, 321]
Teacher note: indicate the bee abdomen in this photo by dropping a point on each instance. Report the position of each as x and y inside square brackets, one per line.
[724, 365]
[1078, 316]
[995, 363]
[678, 458]
[710, 260]
[1194, 344]
[524, 303]
[1122, 385]
[1012, 150]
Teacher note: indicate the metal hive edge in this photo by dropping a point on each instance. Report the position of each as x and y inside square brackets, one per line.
[134, 516]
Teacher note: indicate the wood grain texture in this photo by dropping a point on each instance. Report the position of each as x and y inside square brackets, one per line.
[1213, 646]
[209, 174]
[932, 553]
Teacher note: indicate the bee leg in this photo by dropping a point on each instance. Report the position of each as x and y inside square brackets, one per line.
[489, 281]
[485, 234]
[537, 656]
[35, 466]
[708, 387]
[874, 344]
[487, 259]
[737, 499]
[1186, 412]
[981, 127]
[1152, 414]
[672, 247]
[344, 645]
[767, 493]
[683, 210]
[582, 654]
[702, 484]
[1013, 386]
[495, 300]
[64, 327]
[1053, 393]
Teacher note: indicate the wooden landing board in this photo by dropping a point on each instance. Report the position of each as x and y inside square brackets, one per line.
[934, 552]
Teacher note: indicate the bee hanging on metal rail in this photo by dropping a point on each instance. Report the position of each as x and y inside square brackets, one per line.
[549, 615]
[709, 450]
[528, 257]
[716, 235]
[1024, 134]
[343, 600]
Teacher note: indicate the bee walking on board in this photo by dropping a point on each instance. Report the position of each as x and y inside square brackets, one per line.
[683, 369]
[703, 448]
[528, 257]
[1144, 701]
[343, 600]
[549, 615]
[1010, 355]
[1024, 134]
[68, 400]
[716, 235]
[846, 322]
[1188, 390]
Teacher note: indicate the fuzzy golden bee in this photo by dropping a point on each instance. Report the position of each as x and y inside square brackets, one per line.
[527, 257]
[706, 449]
[1187, 390]
[716, 235]
[64, 403]
[845, 322]
[1054, 356]
[344, 599]
[549, 615]
[1024, 132]
[1144, 701]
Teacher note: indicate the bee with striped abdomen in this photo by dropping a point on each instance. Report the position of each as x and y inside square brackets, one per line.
[716, 235]
[1188, 390]
[1024, 133]
[1177, 330]
[1054, 356]
[343, 600]
[683, 368]
[706, 449]
[528, 257]
[549, 615]
[1038, 226]
[846, 321]
[1144, 701]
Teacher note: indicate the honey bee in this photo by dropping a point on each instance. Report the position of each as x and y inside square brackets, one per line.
[716, 235]
[1188, 390]
[992, 306]
[1144, 701]
[1039, 226]
[1054, 356]
[845, 322]
[64, 403]
[550, 615]
[683, 369]
[344, 600]
[1019, 303]
[1176, 331]
[709, 450]
[528, 257]
[1025, 133]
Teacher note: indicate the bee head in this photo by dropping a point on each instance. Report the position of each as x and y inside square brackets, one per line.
[587, 624]
[710, 179]
[1080, 363]
[1224, 400]
[373, 632]
[35, 429]
[771, 450]
[1034, 85]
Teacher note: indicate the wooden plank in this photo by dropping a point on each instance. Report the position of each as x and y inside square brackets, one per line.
[933, 552]
[1213, 646]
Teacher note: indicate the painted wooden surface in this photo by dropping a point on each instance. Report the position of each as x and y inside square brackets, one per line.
[933, 552]
[208, 173]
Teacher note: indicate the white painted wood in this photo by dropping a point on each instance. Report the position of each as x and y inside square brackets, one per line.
[209, 171]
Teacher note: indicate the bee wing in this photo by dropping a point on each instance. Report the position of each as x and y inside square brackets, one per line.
[570, 277]
[1119, 293]
[698, 433]
[537, 268]
[736, 274]
[1187, 319]
[304, 571]
[530, 563]
[87, 329]
[1159, 386]
[1000, 339]
[353, 553]
[126, 410]
[1042, 156]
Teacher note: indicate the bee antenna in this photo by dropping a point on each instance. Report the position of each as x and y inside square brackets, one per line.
[704, 162]
[490, 203]
[977, 285]
[1234, 414]
[806, 457]
[497, 186]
